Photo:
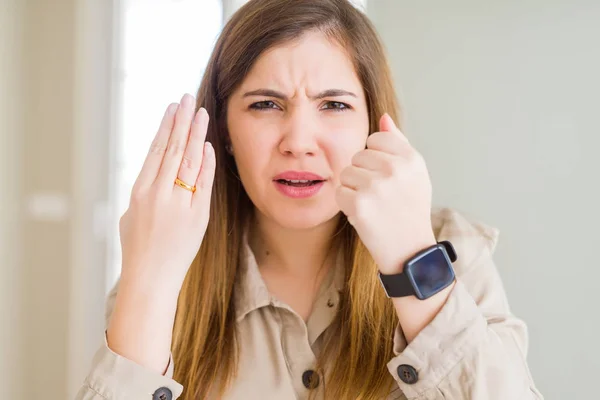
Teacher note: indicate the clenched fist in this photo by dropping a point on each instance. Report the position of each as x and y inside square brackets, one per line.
[386, 195]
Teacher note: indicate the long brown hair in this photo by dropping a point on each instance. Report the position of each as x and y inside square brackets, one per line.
[359, 345]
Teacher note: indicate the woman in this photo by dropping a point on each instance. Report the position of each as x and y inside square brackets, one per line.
[253, 244]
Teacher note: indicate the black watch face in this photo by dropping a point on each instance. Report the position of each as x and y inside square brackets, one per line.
[431, 273]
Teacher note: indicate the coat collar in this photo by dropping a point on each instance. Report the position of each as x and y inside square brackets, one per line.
[252, 292]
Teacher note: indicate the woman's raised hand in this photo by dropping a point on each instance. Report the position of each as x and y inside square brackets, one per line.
[161, 233]
[165, 223]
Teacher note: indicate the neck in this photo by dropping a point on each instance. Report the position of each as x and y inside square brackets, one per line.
[301, 253]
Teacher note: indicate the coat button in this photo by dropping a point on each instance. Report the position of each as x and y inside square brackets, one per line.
[310, 379]
[163, 394]
[408, 374]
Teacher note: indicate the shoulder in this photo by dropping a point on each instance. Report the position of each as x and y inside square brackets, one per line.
[472, 239]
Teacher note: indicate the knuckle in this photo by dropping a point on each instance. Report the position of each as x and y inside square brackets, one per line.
[201, 186]
[206, 177]
[356, 159]
[369, 184]
[416, 160]
[345, 174]
[342, 178]
[158, 148]
[371, 140]
[412, 155]
[188, 162]
[204, 183]
[124, 222]
[136, 196]
[390, 167]
[176, 147]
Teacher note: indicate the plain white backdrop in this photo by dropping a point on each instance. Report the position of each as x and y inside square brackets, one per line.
[500, 97]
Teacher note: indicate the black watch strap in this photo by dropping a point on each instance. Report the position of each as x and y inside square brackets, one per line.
[449, 250]
[396, 285]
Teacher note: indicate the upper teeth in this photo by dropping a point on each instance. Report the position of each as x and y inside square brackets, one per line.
[298, 181]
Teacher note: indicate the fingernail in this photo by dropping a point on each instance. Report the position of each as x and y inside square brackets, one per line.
[186, 100]
[172, 109]
[208, 149]
[199, 115]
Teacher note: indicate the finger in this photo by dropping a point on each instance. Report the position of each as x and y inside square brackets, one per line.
[157, 150]
[388, 142]
[177, 143]
[356, 178]
[346, 200]
[206, 177]
[192, 157]
[372, 160]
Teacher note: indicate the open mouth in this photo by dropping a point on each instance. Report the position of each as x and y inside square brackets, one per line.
[298, 183]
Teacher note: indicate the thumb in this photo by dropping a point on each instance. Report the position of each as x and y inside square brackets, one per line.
[386, 124]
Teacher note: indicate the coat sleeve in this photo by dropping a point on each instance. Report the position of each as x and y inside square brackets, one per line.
[113, 377]
[475, 348]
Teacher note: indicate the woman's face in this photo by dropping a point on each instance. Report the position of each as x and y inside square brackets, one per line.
[299, 115]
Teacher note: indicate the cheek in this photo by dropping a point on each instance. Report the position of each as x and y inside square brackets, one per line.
[250, 140]
[341, 145]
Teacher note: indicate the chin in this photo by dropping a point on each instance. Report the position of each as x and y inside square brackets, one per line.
[302, 218]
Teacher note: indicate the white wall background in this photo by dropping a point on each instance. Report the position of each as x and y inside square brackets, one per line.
[502, 99]
[11, 369]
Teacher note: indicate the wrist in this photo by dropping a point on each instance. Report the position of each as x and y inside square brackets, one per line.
[153, 301]
[141, 325]
[143, 283]
[396, 262]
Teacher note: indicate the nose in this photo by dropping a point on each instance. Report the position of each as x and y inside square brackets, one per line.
[300, 132]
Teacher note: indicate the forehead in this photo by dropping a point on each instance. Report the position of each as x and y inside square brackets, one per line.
[313, 62]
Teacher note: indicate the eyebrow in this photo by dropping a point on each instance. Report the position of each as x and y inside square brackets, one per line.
[279, 95]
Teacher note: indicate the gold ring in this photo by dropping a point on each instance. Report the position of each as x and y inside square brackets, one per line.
[184, 185]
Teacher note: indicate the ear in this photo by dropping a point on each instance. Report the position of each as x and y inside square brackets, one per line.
[228, 146]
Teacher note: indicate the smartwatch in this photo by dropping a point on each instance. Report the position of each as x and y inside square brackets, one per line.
[424, 275]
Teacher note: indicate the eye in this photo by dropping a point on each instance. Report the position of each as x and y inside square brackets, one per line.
[263, 105]
[336, 106]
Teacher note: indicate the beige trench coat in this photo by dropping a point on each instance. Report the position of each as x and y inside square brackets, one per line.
[473, 349]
